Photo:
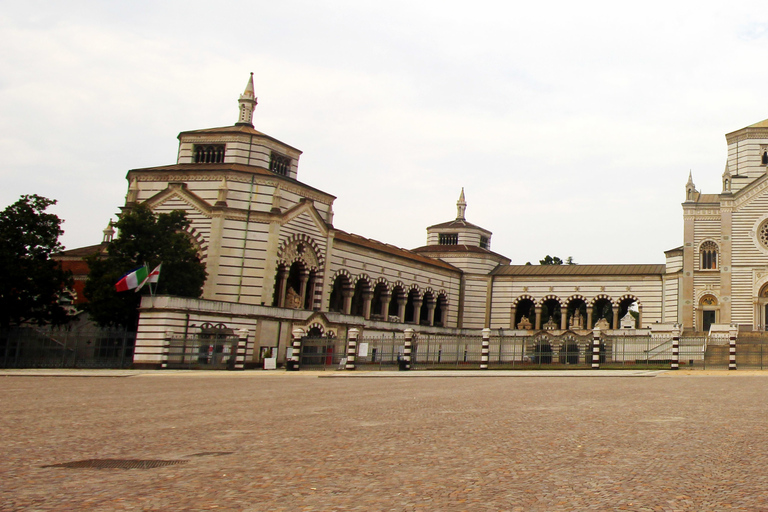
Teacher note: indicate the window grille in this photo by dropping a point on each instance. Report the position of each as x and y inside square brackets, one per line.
[279, 164]
[449, 239]
[485, 243]
[209, 154]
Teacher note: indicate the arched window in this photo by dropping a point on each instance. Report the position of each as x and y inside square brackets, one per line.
[764, 159]
[708, 252]
[209, 154]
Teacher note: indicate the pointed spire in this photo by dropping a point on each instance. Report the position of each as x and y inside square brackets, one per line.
[247, 103]
[461, 206]
[691, 194]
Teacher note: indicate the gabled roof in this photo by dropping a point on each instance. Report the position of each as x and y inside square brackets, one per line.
[81, 252]
[350, 238]
[579, 270]
[708, 198]
[761, 124]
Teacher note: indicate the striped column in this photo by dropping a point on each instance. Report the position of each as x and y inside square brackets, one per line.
[242, 349]
[485, 349]
[297, 334]
[732, 349]
[596, 349]
[407, 346]
[166, 349]
[675, 349]
[351, 348]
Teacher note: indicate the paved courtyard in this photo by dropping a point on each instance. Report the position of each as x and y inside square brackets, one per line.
[298, 441]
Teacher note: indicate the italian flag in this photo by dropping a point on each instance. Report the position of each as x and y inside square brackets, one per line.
[132, 279]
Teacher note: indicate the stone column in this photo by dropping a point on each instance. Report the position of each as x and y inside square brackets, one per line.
[385, 298]
[367, 299]
[283, 276]
[401, 301]
[732, 348]
[639, 316]
[514, 315]
[417, 302]
[293, 362]
[563, 318]
[615, 310]
[351, 348]
[484, 353]
[431, 303]
[347, 293]
[596, 349]
[537, 324]
[589, 317]
[407, 346]
[303, 279]
[675, 349]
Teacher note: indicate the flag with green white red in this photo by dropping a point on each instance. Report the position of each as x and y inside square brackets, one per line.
[132, 279]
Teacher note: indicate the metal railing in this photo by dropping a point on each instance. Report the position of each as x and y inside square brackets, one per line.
[62, 347]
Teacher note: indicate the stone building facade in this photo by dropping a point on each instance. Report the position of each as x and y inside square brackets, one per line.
[275, 261]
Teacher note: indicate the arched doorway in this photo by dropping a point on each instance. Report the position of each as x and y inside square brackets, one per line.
[524, 314]
[628, 306]
[542, 351]
[762, 309]
[341, 286]
[708, 306]
[550, 314]
[577, 314]
[602, 309]
[569, 351]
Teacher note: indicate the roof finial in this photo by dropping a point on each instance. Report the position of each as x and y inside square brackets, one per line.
[461, 206]
[247, 103]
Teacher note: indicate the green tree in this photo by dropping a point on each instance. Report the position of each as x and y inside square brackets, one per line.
[549, 260]
[144, 238]
[32, 285]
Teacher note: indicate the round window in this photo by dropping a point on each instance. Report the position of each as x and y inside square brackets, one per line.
[762, 233]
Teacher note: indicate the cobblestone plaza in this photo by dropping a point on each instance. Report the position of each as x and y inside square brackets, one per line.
[281, 441]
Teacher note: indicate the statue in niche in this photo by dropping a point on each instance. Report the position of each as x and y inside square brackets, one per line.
[577, 322]
[550, 325]
[292, 299]
[524, 324]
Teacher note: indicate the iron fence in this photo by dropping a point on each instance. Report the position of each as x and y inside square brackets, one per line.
[322, 353]
[380, 352]
[202, 352]
[63, 347]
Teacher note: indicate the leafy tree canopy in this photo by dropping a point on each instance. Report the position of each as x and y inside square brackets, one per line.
[144, 238]
[31, 283]
[554, 260]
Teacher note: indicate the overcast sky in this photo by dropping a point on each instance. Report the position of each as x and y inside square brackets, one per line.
[572, 126]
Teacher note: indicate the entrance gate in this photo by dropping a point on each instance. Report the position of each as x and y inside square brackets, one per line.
[319, 352]
[214, 348]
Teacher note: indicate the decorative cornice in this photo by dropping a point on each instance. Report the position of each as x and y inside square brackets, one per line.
[752, 190]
